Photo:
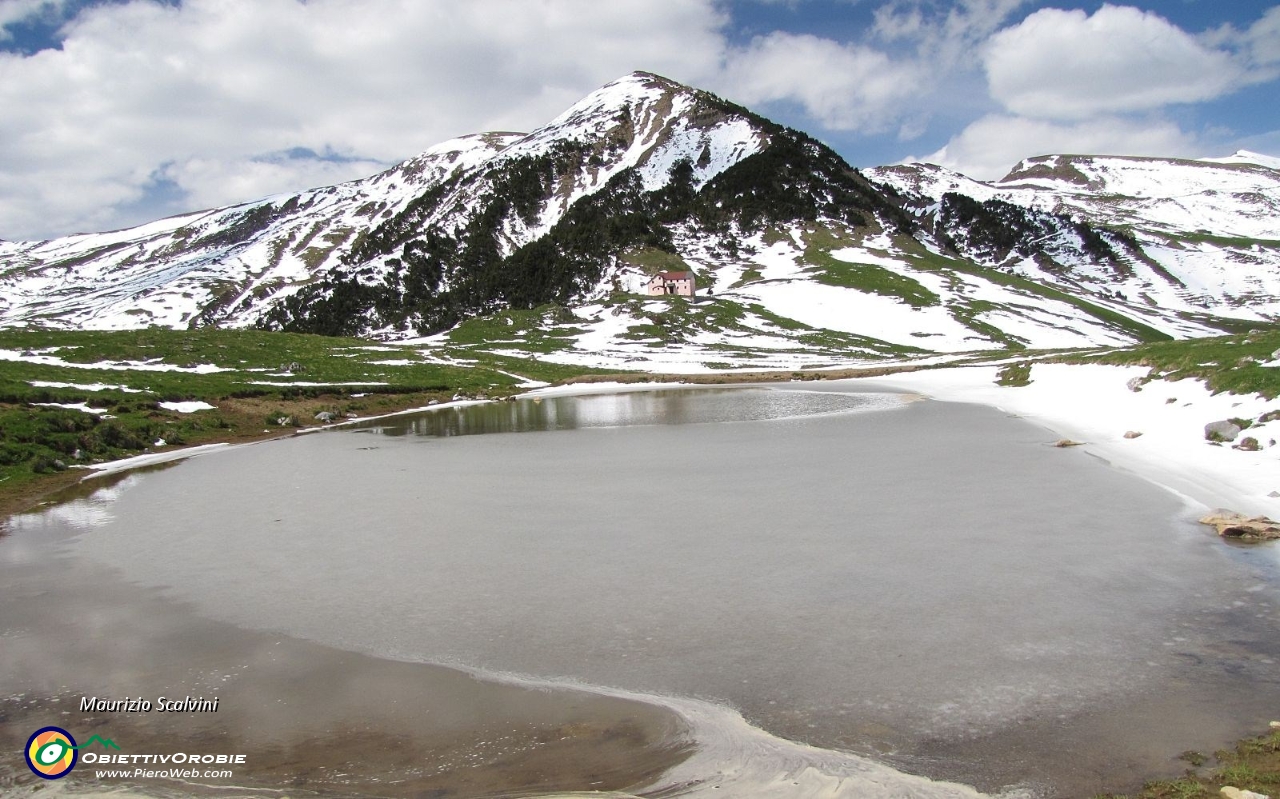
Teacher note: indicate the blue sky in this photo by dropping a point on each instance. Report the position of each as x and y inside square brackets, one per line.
[121, 111]
[1221, 124]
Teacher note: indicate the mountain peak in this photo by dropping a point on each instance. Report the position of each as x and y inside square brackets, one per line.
[650, 123]
[617, 101]
[1247, 157]
[650, 81]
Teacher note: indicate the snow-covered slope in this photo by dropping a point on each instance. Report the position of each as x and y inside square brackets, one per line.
[1208, 231]
[818, 295]
[228, 265]
[805, 260]
[218, 265]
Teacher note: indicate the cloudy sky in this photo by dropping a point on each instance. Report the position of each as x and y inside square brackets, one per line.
[115, 112]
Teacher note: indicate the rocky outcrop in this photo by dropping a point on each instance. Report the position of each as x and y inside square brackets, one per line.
[1244, 528]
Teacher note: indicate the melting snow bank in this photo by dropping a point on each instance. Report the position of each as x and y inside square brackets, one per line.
[609, 387]
[152, 458]
[1094, 404]
[732, 758]
[153, 365]
[85, 386]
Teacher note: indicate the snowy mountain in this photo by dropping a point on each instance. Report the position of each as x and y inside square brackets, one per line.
[218, 265]
[1207, 233]
[806, 260]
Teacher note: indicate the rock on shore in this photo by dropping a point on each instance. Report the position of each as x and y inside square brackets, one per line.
[1247, 528]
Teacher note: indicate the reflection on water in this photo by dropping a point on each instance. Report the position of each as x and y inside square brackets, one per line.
[82, 506]
[80, 514]
[629, 409]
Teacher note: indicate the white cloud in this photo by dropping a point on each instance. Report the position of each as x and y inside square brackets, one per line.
[897, 21]
[151, 108]
[942, 40]
[1067, 65]
[974, 20]
[844, 86]
[202, 91]
[1258, 46]
[1263, 39]
[939, 45]
[1094, 84]
[210, 182]
[991, 146]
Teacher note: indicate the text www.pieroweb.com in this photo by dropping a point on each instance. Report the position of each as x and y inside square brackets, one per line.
[163, 774]
[144, 766]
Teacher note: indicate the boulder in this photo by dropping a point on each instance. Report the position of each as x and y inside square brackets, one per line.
[1224, 430]
[1133, 434]
[1230, 524]
[1064, 442]
[1135, 383]
[1230, 792]
[1248, 444]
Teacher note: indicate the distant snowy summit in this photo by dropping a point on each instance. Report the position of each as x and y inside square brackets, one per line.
[1247, 157]
[1232, 196]
[646, 175]
[1207, 231]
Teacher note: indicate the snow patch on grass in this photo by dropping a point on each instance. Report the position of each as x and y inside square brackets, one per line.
[73, 406]
[187, 407]
[84, 386]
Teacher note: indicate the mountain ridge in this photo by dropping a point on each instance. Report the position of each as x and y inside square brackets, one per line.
[646, 171]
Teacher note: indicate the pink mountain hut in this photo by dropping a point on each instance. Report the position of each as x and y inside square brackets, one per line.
[678, 283]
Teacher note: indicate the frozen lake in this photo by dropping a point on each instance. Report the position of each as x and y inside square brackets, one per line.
[929, 584]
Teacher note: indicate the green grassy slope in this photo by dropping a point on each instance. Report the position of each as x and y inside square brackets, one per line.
[263, 378]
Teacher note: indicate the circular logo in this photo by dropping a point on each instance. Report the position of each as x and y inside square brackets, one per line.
[51, 753]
